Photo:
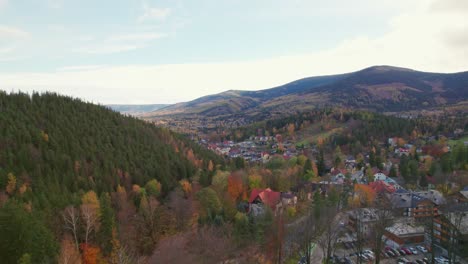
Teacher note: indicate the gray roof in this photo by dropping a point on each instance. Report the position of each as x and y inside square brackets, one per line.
[406, 200]
[433, 195]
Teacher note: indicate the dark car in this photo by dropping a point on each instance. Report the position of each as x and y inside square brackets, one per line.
[391, 254]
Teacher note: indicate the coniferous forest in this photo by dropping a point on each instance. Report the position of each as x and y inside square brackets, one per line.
[60, 153]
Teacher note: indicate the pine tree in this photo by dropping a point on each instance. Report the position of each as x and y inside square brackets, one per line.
[107, 223]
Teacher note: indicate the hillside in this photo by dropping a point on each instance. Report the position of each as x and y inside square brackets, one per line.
[378, 88]
[135, 109]
[53, 149]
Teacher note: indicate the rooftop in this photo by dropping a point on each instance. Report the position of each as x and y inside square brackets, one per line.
[405, 227]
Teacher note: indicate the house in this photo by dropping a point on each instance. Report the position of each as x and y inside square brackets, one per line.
[450, 230]
[404, 231]
[392, 141]
[461, 196]
[411, 204]
[288, 199]
[264, 197]
[364, 218]
[382, 187]
[379, 176]
[433, 195]
[401, 151]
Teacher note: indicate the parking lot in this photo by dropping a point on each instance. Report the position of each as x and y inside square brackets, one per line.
[348, 249]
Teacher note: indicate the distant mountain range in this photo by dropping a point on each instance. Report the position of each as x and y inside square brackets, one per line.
[378, 88]
[136, 109]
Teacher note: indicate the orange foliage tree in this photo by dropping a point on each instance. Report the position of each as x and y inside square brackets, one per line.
[236, 188]
[186, 187]
[90, 254]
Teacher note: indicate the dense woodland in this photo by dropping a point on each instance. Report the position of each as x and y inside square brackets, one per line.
[57, 151]
[80, 183]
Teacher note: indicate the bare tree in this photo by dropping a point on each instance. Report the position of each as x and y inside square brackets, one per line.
[385, 217]
[123, 256]
[331, 232]
[90, 219]
[181, 207]
[211, 242]
[71, 218]
[361, 234]
[455, 219]
[305, 234]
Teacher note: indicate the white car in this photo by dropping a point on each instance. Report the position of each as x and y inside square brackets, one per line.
[440, 260]
[369, 252]
[422, 249]
[413, 251]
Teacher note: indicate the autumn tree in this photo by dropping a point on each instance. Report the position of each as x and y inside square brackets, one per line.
[90, 214]
[236, 187]
[255, 181]
[69, 253]
[11, 184]
[90, 254]
[153, 222]
[186, 187]
[153, 188]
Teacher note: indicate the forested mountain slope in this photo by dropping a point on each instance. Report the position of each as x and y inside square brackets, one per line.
[378, 88]
[53, 149]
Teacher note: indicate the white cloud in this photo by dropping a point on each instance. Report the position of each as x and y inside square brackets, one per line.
[9, 32]
[137, 37]
[153, 13]
[81, 68]
[3, 3]
[107, 48]
[119, 43]
[55, 4]
[4, 50]
[423, 39]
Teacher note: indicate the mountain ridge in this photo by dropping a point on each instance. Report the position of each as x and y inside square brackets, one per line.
[376, 82]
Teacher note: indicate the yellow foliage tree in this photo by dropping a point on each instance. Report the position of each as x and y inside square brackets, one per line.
[11, 185]
[186, 187]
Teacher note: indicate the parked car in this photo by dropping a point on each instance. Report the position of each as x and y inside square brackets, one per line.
[420, 261]
[440, 260]
[363, 257]
[391, 254]
[407, 251]
[402, 261]
[369, 252]
[397, 254]
[426, 260]
[422, 249]
[402, 252]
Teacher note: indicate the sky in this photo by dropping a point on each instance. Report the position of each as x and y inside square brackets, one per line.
[151, 51]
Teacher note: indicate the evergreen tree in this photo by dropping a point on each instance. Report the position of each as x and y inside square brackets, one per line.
[24, 236]
[107, 222]
[321, 163]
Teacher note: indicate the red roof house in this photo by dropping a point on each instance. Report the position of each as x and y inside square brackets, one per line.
[265, 196]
